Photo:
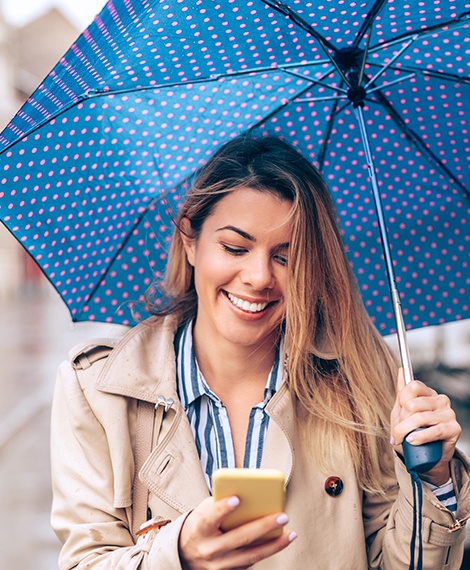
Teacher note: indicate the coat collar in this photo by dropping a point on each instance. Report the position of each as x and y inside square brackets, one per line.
[142, 365]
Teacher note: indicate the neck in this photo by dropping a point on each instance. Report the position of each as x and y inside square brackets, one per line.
[228, 367]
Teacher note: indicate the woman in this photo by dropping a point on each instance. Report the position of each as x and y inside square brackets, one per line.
[263, 357]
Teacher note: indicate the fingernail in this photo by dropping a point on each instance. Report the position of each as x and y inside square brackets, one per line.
[233, 502]
[392, 440]
[410, 438]
[282, 519]
[292, 536]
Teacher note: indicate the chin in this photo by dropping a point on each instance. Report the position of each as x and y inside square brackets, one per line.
[251, 337]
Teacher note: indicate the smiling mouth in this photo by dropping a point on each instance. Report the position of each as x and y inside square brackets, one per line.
[246, 305]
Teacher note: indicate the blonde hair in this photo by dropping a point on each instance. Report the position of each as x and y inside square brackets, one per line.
[338, 367]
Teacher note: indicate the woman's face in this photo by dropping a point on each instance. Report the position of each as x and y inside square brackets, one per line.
[240, 268]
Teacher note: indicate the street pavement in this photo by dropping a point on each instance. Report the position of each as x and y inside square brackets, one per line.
[36, 333]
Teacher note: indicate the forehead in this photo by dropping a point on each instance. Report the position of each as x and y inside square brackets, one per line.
[255, 211]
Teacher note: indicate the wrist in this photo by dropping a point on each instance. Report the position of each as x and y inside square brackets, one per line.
[438, 475]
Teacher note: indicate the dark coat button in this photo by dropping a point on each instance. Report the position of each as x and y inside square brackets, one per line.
[334, 486]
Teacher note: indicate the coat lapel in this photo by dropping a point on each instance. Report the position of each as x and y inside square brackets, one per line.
[142, 366]
[278, 450]
[173, 471]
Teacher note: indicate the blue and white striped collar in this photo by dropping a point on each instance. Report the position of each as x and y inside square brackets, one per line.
[190, 381]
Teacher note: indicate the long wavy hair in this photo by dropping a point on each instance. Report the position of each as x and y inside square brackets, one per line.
[338, 366]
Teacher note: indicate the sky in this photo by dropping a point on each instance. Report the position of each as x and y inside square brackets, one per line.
[80, 12]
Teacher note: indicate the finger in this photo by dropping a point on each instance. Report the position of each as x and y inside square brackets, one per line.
[400, 399]
[396, 410]
[401, 383]
[209, 514]
[415, 389]
[448, 432]
[400, 380]
[443, 422]
[250, 555]
[201, 530]
[426, 404]
[254, 531]
[223, 508]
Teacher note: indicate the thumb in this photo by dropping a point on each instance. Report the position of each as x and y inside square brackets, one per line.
[400, 380]
[395, 413]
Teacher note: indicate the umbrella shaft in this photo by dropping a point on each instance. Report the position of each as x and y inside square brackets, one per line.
[401, 331]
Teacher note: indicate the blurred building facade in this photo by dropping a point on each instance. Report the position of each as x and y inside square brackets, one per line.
[27, 54]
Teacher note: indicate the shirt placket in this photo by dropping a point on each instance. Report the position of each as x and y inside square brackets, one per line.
[226, 451]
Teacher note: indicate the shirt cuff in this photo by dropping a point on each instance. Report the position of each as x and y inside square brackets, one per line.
[445, 493]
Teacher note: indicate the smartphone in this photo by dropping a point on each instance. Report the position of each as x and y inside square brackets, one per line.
[261, 492]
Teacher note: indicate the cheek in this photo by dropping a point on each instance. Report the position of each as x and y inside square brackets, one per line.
[282, 281]
[213, 269]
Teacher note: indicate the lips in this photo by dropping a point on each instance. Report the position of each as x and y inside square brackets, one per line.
[245, 305]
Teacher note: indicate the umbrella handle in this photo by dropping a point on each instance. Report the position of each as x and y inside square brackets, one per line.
[422, 458]
[418, 458]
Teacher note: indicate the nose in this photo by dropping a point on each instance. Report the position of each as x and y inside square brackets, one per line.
[259, 272]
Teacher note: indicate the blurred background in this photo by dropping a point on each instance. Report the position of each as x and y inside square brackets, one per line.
[36, 330]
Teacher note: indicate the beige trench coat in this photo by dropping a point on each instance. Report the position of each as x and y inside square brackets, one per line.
[93, 437]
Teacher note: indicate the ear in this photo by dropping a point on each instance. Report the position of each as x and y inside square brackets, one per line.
[189, 243]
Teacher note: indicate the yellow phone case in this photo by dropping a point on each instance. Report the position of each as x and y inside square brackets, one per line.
[261, 492]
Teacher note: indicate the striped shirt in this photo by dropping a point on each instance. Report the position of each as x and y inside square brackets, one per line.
[210, 424]
[445, 493]
[208, 416]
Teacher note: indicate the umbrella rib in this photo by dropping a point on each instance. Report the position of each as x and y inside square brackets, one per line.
[119, 249]
[418, 142]
[364, 60]
[413, 138]
[441, 75]
[389, 63]
[278, 107]
[287, 11]
[39, 265]
[390, 83]
[316, 81]
[288, 100]
[421, 33]
[369, 20]
[321, 99]
[45, 121]
[93, 93]
[326, 135]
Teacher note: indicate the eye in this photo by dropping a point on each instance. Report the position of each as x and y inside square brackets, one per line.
[281, 259]
[233, 250]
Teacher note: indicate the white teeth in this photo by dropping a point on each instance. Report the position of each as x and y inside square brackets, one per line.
[246, 305]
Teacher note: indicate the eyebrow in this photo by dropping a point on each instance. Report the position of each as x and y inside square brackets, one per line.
[239, 232]
[248, 236]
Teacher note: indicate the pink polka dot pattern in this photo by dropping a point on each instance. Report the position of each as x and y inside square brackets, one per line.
[94, 165]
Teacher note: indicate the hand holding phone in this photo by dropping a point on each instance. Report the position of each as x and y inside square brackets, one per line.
[261, 492]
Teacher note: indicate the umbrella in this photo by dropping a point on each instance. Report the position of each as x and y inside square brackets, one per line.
[97, 160]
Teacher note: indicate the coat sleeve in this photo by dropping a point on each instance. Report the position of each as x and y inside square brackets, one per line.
[88, 518]
[388, 523]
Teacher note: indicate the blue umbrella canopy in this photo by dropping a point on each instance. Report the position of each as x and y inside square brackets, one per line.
[96, 162]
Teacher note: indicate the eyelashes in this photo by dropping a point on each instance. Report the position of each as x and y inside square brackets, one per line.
[233, 250]
[239, 251]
